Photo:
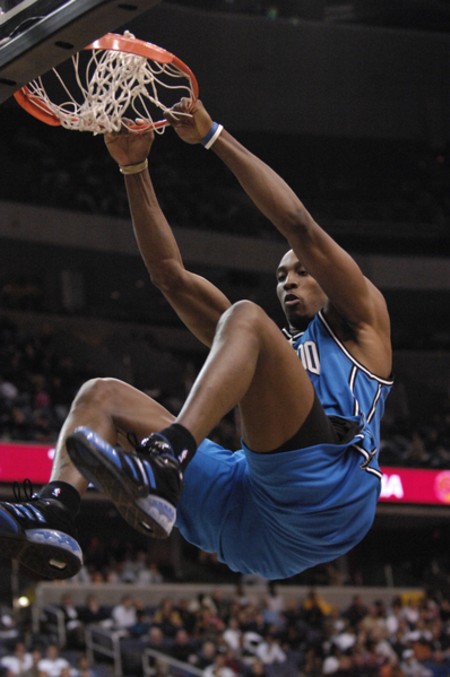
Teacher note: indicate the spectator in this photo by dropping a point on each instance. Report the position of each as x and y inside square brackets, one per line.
[132, 649]
[36, 655]
[411, 666]
[18, 663]
[155, 639]
[393, 616]
[73, 623]
[218, 668]
[205, 656]
[256, 669]
[143, 620]
[94, 612]
[274, 605]
[410, 612]
[84, 668]
[345, 636]
[52, 663]
[167, 618]
[208, 622]
[375, 617]
[232, 635]
[270, 651]
[188, 618]
[356, 610]
[124, 614]
[147, 571]
[183, 647]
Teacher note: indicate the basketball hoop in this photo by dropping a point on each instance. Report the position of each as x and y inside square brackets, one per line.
[115, 79]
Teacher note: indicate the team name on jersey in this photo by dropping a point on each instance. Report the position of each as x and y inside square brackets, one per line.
[309, 356]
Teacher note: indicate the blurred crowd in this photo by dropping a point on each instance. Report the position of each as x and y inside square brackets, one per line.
[250, 633]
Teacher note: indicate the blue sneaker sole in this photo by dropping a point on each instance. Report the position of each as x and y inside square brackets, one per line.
[94, 458]
[50, 554]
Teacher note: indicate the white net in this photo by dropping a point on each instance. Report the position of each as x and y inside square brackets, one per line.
[111, 90]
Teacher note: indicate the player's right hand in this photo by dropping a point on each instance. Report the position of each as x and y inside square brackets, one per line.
[129, 147]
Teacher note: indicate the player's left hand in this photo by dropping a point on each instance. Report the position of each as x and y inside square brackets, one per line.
[129, 147]
[190, 120]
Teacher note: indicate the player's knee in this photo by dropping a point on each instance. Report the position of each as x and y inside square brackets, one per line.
[247, 321]
[97, 392]
[242, 313]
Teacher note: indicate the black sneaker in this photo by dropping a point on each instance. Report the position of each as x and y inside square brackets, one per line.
[38, 533]
[144, 484]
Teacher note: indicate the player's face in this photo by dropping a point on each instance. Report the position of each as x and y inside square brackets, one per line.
[298, 292]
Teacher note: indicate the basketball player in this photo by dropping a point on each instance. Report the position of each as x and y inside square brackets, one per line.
[304, 487]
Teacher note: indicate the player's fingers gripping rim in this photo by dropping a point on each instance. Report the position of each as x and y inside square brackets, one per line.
[139, 126]
[180, 112]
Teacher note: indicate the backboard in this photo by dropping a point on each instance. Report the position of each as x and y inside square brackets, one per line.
[36, 35]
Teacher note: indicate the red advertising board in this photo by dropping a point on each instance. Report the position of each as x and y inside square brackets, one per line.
[410, 485]
[399, 485]
[19, 461]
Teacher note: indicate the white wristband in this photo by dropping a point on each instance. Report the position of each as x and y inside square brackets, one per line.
[212, 135]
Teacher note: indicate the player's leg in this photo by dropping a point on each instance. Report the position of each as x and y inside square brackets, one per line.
[39, 532]
[99, 449]
[112, 408]
[251, 364]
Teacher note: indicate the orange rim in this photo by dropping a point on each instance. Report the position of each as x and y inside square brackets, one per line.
[118, 43]
[28, 101]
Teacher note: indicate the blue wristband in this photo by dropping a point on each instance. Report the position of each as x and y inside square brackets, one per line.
[212, 135]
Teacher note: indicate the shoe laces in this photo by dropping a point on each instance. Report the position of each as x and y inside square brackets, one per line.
[27, 488]
[161, 452]
[156, 445]
[143, 446]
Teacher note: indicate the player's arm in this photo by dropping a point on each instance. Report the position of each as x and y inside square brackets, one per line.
[197, 302]
[353, 296]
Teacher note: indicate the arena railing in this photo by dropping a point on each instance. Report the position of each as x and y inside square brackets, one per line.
[104, 643]
[172, 667]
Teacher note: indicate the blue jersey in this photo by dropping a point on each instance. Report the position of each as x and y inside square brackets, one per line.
[343, 385]
[278, 514]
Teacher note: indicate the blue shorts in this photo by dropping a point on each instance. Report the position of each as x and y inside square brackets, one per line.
[277, 514]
